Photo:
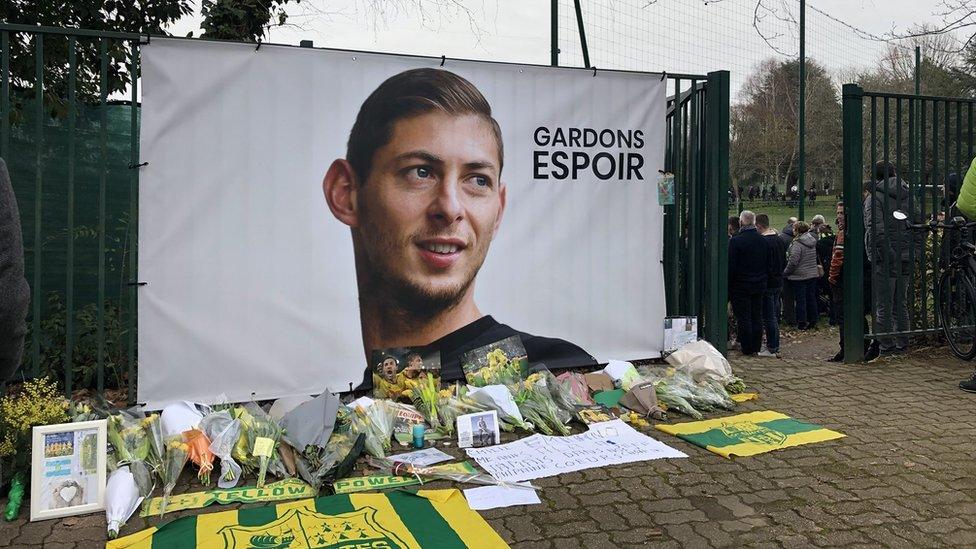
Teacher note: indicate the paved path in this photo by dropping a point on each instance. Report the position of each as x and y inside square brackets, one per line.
[905, 475]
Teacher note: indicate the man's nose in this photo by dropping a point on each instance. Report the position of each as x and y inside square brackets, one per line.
[447, 206]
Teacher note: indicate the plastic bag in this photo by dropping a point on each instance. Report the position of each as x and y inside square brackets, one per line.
[499, 398]
[179, 417]
[700, 360]
[223, 431]
[623, 374]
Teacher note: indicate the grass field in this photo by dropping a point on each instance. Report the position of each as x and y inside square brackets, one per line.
[778, 213]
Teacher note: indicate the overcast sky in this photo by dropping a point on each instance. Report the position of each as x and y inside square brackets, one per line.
[673, 35]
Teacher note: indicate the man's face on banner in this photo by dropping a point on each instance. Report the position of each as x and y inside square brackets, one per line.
[389, 369]
[431, 205]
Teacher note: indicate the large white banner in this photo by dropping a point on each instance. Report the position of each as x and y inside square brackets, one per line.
[251, 287]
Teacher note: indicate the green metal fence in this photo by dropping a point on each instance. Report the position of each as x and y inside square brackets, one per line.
[928, 142]
[695, 242]
[69, 123]
[71, 145]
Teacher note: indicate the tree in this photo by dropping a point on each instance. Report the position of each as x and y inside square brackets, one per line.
[103, 15]
[765, 125]
[246, 20]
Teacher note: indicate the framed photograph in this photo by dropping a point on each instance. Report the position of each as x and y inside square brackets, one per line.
[478, 429]
[679, 331]
[68, 469]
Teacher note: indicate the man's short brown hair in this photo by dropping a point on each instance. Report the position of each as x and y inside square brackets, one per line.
[762, 220]
[405, 95]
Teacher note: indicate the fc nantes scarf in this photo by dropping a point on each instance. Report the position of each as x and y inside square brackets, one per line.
[398, 520]
[749, 434]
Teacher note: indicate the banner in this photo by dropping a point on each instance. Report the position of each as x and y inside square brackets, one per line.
[251, 280]
[282, 490]
[379, 482]
[429, 518]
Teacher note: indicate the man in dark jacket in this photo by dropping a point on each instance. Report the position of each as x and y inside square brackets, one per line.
[888, 243]
[748, 272]
[14, 292]
[774, 284]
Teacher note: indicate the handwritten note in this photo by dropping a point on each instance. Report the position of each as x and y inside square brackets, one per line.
[538, 456]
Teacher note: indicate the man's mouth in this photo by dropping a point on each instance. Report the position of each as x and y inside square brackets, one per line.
[441, 248]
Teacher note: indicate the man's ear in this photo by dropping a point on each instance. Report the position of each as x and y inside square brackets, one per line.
[502, 193]
[340, 186]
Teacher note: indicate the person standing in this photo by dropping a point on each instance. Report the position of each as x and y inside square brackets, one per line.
[748, 273]
[14, 291]
[774, 284]
[788, 316]
[801, 273]
[888, 243]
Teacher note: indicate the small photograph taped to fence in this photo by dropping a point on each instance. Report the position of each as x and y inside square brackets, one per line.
[478, 430]
[392, 367]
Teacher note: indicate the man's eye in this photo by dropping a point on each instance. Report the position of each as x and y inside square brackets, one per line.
[422, 172]
[481, 181]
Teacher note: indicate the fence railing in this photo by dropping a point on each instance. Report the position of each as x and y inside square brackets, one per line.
[907, 153]
[695, 243]
[72, 154]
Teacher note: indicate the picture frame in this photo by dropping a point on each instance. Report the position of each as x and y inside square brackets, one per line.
[68, 469]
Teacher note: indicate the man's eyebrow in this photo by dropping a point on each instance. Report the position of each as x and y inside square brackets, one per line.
[420, 155]
[480, 165]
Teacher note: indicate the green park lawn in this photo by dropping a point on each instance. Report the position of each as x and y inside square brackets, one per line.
[778, 212]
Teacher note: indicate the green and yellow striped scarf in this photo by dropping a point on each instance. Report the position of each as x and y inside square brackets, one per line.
[397, 520]
[749, 434]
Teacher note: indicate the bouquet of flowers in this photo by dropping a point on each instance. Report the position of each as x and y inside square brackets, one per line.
[393, 467]
[175, 454]
[317, 464]
[498, 398]
[223, 432]
[121, 499]
[425, 395]
[130, 437]
[561, 392]
[376, 422]
[259, 440]
[199, 453]
[536, 405]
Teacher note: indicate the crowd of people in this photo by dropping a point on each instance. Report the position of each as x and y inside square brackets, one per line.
[781, 277]
[795, 276]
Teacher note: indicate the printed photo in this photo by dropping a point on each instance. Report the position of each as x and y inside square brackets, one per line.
[478, 430]
[499, 362]
[394, 366]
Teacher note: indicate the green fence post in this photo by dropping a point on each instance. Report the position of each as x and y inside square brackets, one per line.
[103, 148]
[672, 296]
[36, 294]
[69, 283]
[717, 116]
[694, 220]
[133, 219]
[853, 110]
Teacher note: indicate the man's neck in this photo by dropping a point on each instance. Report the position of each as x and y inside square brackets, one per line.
[385, 326]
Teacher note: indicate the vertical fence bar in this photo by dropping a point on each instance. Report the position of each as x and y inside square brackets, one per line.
[69, 283]
[5, 94]
[103, 167]
[874, 230]
[853, 274]
[934, 177]
[958, 170]
[694, 197]
[716, 317]
[36, 298]
[880, 218]
[685, 306]
[133, 219]
[675, 229]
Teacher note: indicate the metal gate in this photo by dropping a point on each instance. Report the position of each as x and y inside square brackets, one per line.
[908, 153]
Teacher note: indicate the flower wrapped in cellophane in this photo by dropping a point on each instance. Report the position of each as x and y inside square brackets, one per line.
[424, 393]
[316, 465]
[538, 407]
[500, 399]
[199, 453]
[258, 444]
[175, 455]
[376, 422]
[129, 435]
